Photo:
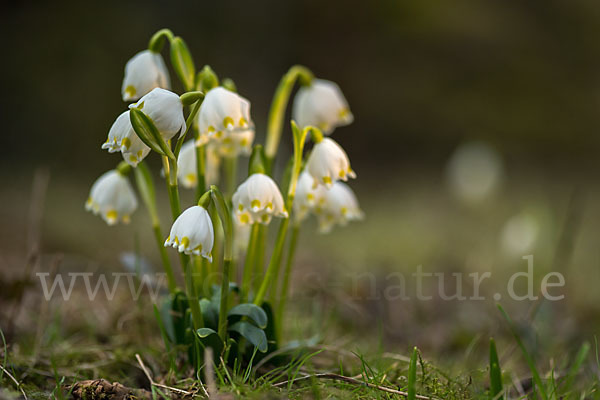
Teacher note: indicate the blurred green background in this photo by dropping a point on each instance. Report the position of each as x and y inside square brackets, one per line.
[421, 77]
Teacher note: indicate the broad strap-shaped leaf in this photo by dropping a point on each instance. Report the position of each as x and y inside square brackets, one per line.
[251, 311]
[254, 335]
[205, 332]
[148, 132]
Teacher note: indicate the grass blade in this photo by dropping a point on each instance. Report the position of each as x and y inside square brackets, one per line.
[495, 373]
[412, 376]
[536, 376]
[574, 370]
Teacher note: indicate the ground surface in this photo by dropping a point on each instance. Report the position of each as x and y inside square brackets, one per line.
[347, 324]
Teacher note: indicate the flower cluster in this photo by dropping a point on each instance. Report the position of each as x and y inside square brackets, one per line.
[157, 120]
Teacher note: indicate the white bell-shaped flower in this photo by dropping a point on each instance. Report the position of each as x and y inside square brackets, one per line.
[328, 162]
[241, 236]
[339, 206]
[165, 109]
[144, 72]
[234, 143]
[223, 113]
[192, 233]
[258, 199]
[307, 197]
[112, 197]
[122, 137]
[323, 105]
[186, 165]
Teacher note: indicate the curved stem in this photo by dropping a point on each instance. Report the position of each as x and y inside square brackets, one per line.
[278, 107]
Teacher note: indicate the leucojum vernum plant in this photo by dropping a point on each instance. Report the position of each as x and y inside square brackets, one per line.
[232, 301]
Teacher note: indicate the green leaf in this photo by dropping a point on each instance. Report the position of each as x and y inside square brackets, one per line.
[251, 311]
[182, 62]
[205, 332]
[253, 334]
[148, 132]
[495, 372]
[536, 376]
[210, 312]
[412, 375]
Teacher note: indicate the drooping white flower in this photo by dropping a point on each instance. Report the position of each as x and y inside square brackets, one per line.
[165, 109]
[192, 233]
[144, 72]
[241, 235]
[339, 206]
[122, 137]
[328, 162]
[186, 165]
[323, 105]
[258, 199]
[112, 197]
[222, 114]
[307, 196]
[234, 143]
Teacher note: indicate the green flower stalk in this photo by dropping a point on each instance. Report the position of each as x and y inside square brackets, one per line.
[192, 234]
[225, 216]
[146, 188]
[278, 107]
[275, 261]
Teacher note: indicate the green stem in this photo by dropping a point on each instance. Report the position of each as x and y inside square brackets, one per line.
[191, 293]
[224, 301]
[189, 122]
[278, 107]
[273, 262]
[226, 221]
[250, 258]
[259, 258]
[200, 171]
[164, 258]
[230, 173]
[286, 280]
